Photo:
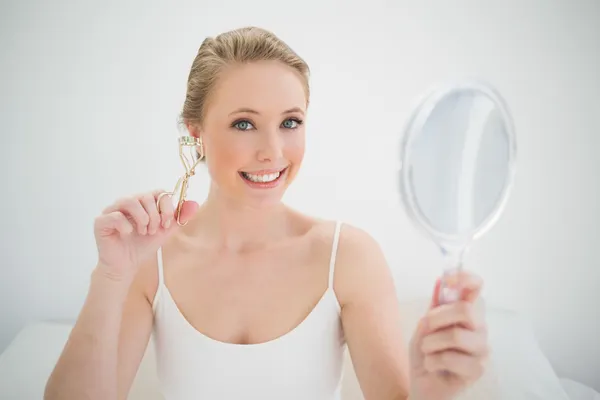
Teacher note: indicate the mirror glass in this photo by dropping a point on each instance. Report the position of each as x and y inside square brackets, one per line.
[458, 162]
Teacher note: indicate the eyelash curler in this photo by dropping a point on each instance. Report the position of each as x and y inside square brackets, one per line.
[194, 145]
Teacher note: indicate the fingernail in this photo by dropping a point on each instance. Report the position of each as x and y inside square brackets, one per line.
[167, 223]
[451, 280]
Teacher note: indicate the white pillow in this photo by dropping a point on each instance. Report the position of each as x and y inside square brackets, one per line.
[518, 370]
[27, 362]
[579, 391]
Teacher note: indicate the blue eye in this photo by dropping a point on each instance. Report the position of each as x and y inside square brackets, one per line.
[243, 125]
[291, 123]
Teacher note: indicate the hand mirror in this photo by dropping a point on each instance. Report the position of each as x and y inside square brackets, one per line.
[458, 164]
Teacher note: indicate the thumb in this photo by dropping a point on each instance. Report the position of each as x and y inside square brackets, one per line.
[456, 286]
[435, 297]
[188, 211]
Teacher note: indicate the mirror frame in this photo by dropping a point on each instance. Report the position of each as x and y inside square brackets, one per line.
[417, 119]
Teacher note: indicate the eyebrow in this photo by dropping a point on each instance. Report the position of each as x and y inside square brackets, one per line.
[251, 111]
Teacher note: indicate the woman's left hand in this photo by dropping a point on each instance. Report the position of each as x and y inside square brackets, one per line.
[449, 350]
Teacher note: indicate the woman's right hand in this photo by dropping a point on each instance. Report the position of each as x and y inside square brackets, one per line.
[132, 229]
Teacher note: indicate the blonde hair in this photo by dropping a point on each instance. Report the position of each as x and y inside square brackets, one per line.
[243, 45]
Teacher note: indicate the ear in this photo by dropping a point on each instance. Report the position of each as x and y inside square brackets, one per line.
[193, 129]
[196, 132]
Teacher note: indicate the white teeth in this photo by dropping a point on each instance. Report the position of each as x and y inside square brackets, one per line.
[262, 178]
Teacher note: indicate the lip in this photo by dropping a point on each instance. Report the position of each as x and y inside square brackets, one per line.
[266, 185]
[266, 171]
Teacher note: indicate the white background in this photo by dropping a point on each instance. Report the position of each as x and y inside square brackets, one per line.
[85, 85]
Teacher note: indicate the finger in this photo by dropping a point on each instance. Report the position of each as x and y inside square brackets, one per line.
[455, 338]
[133, 209]
[116, 221]
[462, 313]
[457, 363]
[419, 333]
[148, 201]
[435, 297]
[468, 284]
[188, 210]
[471, 289]
[121, 223]
[165, 209]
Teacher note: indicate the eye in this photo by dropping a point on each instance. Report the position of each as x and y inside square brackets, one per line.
[243, 125]
[292, 123]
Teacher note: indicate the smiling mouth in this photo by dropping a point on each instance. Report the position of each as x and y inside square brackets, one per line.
[264, 178]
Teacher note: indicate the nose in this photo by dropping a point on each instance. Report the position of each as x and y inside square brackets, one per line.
[271, 146]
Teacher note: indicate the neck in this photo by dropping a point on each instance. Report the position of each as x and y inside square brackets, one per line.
[227, 224]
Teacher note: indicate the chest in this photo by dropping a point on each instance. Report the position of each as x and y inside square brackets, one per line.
[228, 362]
[250, 298]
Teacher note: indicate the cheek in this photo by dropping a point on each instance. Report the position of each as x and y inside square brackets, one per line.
[295, 147]
[223, 158]
[226, 152]
[294, 153]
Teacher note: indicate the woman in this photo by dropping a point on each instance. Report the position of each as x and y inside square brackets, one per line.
[251, 299]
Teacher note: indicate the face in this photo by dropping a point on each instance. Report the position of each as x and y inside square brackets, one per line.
[253, 132]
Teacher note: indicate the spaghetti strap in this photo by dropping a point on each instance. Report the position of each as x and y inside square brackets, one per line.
[336, 239]
[161, 278]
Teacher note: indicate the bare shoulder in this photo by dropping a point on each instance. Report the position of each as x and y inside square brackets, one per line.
[362, 274]
[357, 241]
[315, 234]
[319, 231]
[362, 270]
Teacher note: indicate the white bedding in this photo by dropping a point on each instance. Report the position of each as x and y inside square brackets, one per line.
[578, 391]
[520, 371]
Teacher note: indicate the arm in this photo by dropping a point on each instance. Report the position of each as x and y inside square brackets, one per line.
[107, 343]
[371, 317]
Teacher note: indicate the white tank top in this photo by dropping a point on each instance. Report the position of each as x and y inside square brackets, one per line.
[304, 364]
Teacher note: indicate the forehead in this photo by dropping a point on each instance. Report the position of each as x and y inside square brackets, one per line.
[263, 86]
